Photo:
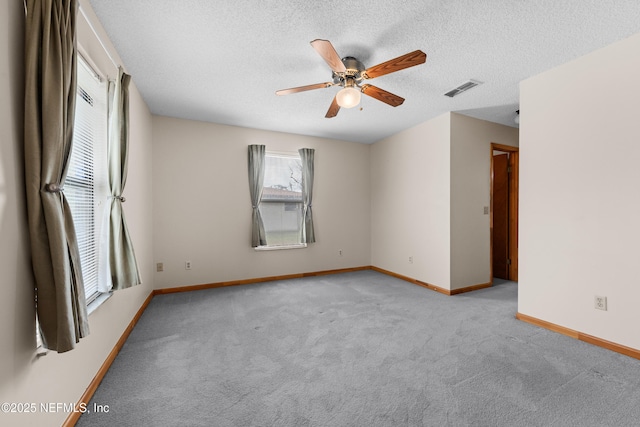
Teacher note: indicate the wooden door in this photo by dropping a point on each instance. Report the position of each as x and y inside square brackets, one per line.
[513, 171]
[500, 210]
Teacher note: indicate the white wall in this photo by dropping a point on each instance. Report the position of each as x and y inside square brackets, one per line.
[579, 186]
[56, 377]
[429, 186]
[410, 202]
[202, 208]
[470, 192]
[16, 283]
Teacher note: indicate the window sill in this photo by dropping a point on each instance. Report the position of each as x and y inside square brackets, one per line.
[93, 305]
[41, 351]
[279, 248]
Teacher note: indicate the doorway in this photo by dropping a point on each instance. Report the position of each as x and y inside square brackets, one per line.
[504, 212]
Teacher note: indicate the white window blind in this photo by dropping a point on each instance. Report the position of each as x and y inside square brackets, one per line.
[85, 186]
[281, 203]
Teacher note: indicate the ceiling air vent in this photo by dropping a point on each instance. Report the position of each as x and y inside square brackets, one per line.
[463, 87]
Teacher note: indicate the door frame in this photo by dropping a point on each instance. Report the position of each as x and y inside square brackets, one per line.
[514, 153]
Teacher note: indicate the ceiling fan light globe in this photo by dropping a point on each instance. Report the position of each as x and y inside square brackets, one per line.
[348, 97]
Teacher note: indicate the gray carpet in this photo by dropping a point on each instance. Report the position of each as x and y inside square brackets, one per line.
[358, 349]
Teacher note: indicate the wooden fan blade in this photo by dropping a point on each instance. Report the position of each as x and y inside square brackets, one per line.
[329, 54]
[333, 109]
[416, 57]
[303, 88]
[382, 95]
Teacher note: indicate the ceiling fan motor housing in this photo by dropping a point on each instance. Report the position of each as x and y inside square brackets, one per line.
[353, 72]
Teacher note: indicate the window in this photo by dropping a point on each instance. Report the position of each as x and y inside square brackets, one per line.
[281, 203]
[86, 185]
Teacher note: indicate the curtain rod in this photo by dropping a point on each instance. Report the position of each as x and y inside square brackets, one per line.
[98, 37]
[85, 56]
[89, 62]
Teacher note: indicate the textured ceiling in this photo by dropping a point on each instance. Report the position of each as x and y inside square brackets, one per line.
[222, 61]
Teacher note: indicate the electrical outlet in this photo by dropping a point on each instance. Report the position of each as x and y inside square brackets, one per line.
[410, 260]
[159, 267]
[339, 252]
[187, 265]
[486, 210]
[600, 302]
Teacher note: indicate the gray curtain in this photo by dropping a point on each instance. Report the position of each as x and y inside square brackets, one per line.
[306, 155]
[50, 94]
[122, 258]
[256, 181]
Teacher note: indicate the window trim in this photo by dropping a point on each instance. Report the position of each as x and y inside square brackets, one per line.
[98, 144]
[280, 247]
[292, 155]
[100, 184]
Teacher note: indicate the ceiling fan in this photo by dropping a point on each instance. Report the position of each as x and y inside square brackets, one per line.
[349, 73]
